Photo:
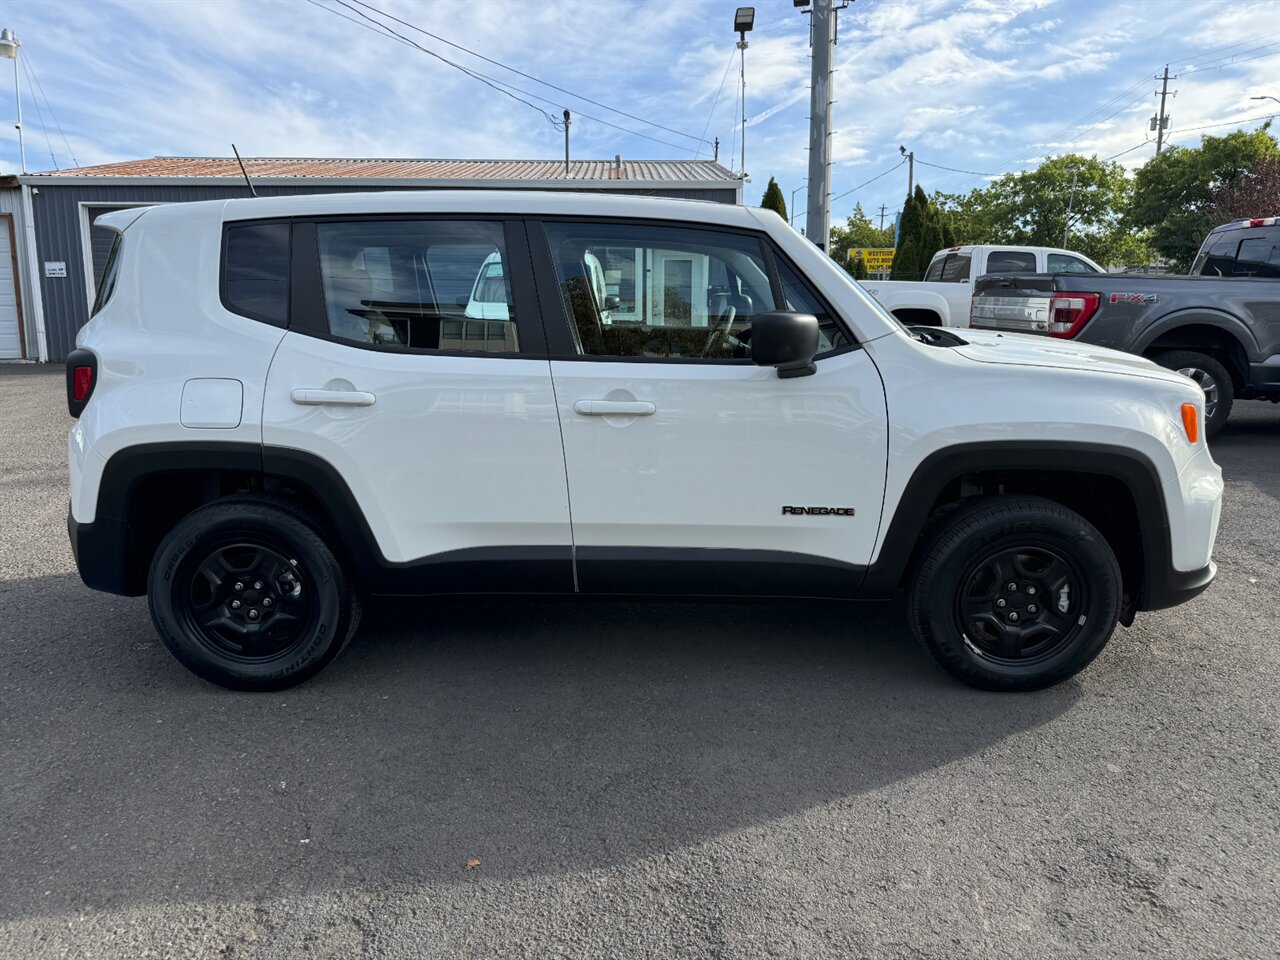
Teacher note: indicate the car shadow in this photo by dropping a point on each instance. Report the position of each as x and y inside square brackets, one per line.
[536, 736]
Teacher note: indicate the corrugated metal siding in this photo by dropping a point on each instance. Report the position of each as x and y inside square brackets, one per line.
[59, 236]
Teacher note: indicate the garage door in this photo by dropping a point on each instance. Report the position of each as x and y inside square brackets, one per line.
[10, 331]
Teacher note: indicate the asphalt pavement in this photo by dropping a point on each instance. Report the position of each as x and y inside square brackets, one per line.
[613, 779]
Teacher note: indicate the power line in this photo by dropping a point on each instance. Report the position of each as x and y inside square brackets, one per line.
[31, 67]
[938, 166]
[714, 103]
[39, 114]
[1123, 152]
[867, 182]
[500, 85]
[529, 76]
[1227, 123]
[1201, 64]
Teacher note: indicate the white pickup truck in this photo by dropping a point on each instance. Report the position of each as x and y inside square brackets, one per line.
[941, 299]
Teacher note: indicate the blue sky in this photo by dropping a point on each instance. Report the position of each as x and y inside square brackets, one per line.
[979, 85]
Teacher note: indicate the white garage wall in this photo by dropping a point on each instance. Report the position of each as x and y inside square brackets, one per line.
[11, 203]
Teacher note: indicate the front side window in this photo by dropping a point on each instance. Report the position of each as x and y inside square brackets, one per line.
[669, 292]
[1061, 263]
[1011, 261]
[255, 271]
[422, 284]
[110, 271]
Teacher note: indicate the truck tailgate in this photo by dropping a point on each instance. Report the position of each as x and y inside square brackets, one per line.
[1018, 303]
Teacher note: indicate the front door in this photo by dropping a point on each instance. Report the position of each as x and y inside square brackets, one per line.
[443, 425]
[690, 469]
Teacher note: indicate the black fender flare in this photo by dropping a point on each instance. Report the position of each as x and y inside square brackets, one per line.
[943, 467]
[1200, 316]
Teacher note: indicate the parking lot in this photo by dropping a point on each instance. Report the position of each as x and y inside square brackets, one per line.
[607, 779]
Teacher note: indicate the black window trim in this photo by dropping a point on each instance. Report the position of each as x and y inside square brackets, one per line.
[227, 227]
[555, 314]
[307, 314]
[110, 274]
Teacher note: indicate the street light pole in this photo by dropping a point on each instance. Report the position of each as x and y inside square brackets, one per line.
[9, 45]
[791, 210]
[744, 19]
[1266, 97]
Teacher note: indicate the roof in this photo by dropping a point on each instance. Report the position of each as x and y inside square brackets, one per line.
[690, 173]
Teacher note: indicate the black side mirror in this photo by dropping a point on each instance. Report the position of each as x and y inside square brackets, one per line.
[787, 341]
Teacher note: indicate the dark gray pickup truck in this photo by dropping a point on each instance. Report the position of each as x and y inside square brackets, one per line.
[1220, 326]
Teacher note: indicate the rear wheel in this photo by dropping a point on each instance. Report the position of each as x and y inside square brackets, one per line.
[1015, 593]
[1211, 377]
[246, 593]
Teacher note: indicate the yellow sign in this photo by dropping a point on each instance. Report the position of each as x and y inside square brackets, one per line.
[876, 258]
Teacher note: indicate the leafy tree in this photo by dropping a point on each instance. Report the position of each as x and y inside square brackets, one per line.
[857, 233]
[774, 200]
[1174, 193]
[859, 269]
[923, 229]
[1256, 194]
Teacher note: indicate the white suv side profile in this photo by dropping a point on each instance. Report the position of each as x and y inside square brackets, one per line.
[289, 405]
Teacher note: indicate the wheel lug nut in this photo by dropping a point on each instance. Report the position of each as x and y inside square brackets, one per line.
[235, 604]
[1002, 603]
[1031, 591]
[266, 601]
[253, 614]
[1013, 588]
[1013, 616]
[239, 586]
[1032, 608]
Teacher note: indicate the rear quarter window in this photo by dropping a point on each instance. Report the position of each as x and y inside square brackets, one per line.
[110, 273]
[255, 271]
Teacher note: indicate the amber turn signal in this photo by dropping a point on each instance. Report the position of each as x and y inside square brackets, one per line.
[1191, 421]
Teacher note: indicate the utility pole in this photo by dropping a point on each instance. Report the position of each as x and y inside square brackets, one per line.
[882, 209]
[911, 168]
[566, 142]
[823, 35]
[1161, 122]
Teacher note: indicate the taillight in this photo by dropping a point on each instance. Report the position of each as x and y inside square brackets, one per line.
[1068, 312]
[82, 376]
[1258, 223]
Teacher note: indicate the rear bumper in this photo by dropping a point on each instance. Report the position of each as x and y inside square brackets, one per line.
[99, 551]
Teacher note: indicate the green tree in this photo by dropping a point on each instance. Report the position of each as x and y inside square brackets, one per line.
[1082, 197]
[774, 200]
[859, 270]
[858, 232]
[1173, 194]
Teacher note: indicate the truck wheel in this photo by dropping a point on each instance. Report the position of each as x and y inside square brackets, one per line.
[246, 594]
[1015, 593]
[1213, 379]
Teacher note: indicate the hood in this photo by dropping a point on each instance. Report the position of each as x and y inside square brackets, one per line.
[1029, 350]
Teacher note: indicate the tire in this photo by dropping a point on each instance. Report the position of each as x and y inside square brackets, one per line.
[1212, 377]
[251, 557]
[963, 613]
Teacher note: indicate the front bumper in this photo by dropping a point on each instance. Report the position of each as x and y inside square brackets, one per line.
[1176, 587]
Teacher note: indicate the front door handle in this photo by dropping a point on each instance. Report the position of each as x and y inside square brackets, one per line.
[615, 408]
[312, 396]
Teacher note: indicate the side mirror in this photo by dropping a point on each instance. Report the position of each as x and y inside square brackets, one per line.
[611, 302]
[787, 341]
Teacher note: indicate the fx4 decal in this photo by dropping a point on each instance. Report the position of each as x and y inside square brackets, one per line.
[1134, 298]
[818, 511]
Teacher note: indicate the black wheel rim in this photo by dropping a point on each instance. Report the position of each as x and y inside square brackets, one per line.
[247, 601]
[1021, 605]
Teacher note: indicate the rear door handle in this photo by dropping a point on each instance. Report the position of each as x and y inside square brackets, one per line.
[615, 408]
[312, 396]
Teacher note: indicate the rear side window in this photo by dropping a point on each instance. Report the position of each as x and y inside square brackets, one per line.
[1011, 261]
[1061, 263]
[956, 269]
[1259, 257]
[934, 272]
[1218, 255]
[255, 271]
[418, 284]
[110, 272]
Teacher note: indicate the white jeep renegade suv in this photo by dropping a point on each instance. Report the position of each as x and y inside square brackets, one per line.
[285, 404]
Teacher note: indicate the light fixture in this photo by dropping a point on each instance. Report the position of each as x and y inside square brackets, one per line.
[744, 20]
[8, 44]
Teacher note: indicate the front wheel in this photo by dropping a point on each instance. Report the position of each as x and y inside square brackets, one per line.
[246, 593]
[1015, 593]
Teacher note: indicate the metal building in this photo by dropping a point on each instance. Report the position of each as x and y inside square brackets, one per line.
[58, 274]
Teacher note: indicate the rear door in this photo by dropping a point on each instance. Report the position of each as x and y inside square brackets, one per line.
[691, 470]
[442, 425]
